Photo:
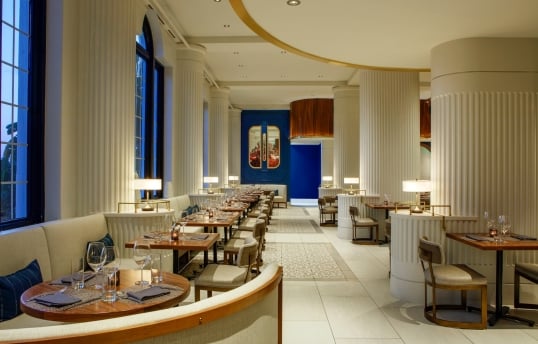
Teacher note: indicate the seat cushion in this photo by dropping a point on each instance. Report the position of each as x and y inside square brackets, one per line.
[365, 221]
[221, 275]
[455, 274]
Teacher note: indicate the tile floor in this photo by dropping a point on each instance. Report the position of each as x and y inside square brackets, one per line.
[362, 311]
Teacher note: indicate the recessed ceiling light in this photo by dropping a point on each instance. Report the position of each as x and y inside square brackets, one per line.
[293, 2]
[217, 0]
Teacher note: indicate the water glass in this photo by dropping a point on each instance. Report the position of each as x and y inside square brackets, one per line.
[156, 268]
[109, 288]
[77, 273]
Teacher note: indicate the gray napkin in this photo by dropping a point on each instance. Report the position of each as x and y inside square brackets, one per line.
[87, 276]
[199, 237]
[56, 300]
[147, 293]
[522, 236]
[479, 237]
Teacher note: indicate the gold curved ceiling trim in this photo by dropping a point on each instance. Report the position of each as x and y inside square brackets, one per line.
[243, 14]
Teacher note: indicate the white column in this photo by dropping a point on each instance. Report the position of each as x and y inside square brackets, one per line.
[97, 121]
[485, 129]
[234, 151]
[327, 158]
[218, 133]
[189, 129]
[346, 133]
[389, 131]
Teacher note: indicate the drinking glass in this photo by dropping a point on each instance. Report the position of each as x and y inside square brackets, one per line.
[156, 268]
[96, 257]
[171, 228]
[111, 267]
[77, 273]
[141, 256]
[183, 223]
[505, 225]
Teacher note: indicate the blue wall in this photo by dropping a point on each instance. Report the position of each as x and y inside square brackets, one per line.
[305, 171]
[264, 175]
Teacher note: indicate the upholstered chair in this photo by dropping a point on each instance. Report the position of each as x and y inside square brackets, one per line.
[358, 221]
[528, 271]
[231, 249]
[325, 210]
[456, 277]
[224, 277]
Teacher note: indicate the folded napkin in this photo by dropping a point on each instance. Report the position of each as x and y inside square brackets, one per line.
[478, 237]
[522, 236]
[147, 293]
[198, 237]
[67, 279]
[151, 236]
[56, 300]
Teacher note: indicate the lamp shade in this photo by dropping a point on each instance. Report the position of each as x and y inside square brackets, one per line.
[327, 178]
[417, 185]
[233, 178]
[351, 180]
[147, 184]
[211, 180]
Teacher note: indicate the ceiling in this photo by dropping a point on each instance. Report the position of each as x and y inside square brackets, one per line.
[269, 53]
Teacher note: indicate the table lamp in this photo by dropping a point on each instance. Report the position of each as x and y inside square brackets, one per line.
[351, 181]
[210, 180]
[327, 181]
[147, 185]
[233, 180]
[417, 186]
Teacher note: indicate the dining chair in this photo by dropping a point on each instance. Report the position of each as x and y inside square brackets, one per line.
[325, 210]
[224, 277]
[458, 277]
[358, 221]
[231, 249]
[528, 271]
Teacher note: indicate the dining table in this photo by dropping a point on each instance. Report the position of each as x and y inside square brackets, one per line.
[211, 223]
[91, 306]
[186, 242]
[483, 241]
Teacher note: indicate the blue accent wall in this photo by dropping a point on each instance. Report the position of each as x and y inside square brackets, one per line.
[305, 171]
[264, 175]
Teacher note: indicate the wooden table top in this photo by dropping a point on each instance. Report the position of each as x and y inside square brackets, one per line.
[191, 241]
[389, 206]
[224, 220]
[508, 243]
[98, 309]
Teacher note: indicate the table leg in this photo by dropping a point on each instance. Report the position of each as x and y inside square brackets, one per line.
[214, 253]
[501, 312]
[175, 257]
[206, 258]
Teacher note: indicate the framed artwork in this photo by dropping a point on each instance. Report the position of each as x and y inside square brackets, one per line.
[255, 146]
[273, 146]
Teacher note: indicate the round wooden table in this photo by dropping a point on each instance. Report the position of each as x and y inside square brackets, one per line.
[98, 309]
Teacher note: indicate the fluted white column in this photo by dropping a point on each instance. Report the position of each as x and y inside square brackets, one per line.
[218, 133]
[234, 148]
[99, 135]
[189, 129]
[346, 133]
[389, 131]
[327, 158]
[485, 129]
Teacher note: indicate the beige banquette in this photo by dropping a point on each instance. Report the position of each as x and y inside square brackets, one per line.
[250, 311]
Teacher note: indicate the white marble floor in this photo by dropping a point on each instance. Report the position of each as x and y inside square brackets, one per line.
[362, 310]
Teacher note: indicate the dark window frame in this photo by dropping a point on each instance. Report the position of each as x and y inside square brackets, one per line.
[36, 118]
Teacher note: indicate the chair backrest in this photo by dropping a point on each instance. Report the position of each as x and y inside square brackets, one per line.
[354, 213]
[430, 252]
[248, 252]
[321, 202]
[259, 229]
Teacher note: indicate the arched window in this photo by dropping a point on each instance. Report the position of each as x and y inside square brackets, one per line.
[149, 114]
[23, 98]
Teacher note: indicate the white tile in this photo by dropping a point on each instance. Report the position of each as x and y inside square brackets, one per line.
[301, 301]
[312, 332]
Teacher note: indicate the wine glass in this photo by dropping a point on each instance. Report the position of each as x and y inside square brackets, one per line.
[111, 267]
[96, 257]
[141, 256]
[183, 223]
[504, 225]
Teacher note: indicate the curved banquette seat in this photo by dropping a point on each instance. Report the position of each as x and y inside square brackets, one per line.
[253, 310]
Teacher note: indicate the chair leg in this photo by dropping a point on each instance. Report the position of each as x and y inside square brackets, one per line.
[196, 294]
[517, 281]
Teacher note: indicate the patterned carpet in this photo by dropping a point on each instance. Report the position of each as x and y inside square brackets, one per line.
[300, 260]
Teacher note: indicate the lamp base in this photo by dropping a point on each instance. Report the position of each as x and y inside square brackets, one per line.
[416, 209]
[147, 207]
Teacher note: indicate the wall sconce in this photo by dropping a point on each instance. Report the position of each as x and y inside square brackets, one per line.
[147, 185]
[233, 180]
[417, 186]
[351, 181]
[210, 180]
[327, 181]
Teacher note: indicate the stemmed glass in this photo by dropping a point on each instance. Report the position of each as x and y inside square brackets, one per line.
[141, 256]
[171, 228]
[111, 267]
[96, 257]
[504, 225]
[183, 223]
